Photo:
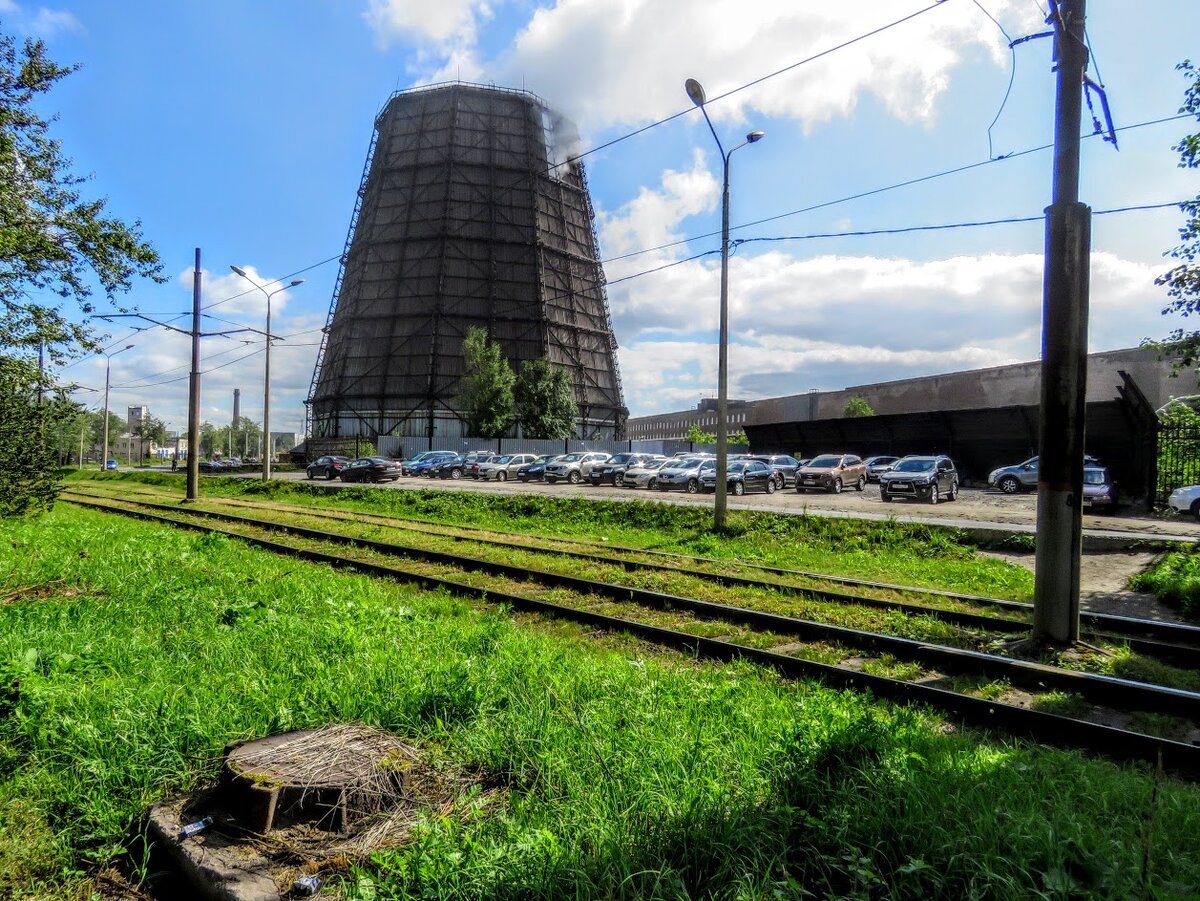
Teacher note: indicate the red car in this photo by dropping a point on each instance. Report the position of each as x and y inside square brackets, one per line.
[370, 469]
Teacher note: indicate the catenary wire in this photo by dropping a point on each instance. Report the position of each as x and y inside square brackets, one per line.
[872, 192]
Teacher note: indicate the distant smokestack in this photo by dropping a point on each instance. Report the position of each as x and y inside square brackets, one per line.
[237, 406]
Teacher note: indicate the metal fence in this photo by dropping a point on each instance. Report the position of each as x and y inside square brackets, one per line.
[1178, 458]
[398, 447]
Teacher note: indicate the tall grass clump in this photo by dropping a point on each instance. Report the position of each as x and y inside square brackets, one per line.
[1175, 580]
[131, 654]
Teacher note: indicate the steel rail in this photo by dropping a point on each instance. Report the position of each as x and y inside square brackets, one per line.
[1107, 690]
[1099, 623]
[1047, 728]
[1183, 650]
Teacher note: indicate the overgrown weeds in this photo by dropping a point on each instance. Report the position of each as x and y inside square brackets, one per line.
[615, 771]
[1175, 580]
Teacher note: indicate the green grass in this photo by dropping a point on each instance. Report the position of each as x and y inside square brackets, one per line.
[130, 655]
[904, 553]
[1175, 579]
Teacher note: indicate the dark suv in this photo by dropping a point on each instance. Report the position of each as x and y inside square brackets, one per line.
[921, 478]
[785, 467]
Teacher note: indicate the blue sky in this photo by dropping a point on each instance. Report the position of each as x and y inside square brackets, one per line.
[242, 128]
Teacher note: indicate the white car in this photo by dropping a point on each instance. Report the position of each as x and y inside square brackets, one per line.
[1185, 500]
[574, 468]
[504, 468]
[644, 475]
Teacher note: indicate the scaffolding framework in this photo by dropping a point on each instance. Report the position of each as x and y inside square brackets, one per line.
[466, 217]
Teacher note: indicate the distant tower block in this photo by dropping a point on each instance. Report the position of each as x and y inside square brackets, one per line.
[466, 217]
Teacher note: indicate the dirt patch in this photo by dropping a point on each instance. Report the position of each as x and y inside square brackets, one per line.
[1103, 584]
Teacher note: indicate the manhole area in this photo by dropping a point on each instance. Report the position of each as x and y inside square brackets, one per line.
[300, 804]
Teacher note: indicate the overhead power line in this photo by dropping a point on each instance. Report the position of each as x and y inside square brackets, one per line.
[880, 190]
[1014, 220]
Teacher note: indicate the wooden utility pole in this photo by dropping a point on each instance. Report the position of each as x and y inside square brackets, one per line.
[1064, 350]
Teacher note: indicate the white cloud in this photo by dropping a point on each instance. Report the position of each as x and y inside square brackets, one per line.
[42, 22]
[614, 62]
[836, 321]
[652, 218]
[449, 24]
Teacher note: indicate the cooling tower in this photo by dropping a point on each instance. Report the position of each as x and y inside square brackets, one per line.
[465, 217]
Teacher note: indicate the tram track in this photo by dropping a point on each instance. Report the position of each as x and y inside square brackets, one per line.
[517, 586]
[1175, 644]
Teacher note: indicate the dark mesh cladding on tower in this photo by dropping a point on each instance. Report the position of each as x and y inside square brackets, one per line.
[466, 216]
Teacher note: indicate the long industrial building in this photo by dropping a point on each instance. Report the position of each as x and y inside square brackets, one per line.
[470, 214]
[984, 418]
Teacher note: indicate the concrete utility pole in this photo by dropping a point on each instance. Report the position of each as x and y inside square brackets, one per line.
[193, 458]
[1064, 351]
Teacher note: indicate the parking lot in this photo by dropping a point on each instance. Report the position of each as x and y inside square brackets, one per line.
[974, 507]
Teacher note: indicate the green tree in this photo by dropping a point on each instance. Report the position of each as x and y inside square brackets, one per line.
[208, 439]
[151, 430]
[116, 427]
[1183, 281]
[856, 407]
[73, 428]
[29, 476]
[247, 439]
[544, 400]
[53, 243]
[696, 435]
[52, 240]
[739, 438]
[487, 387]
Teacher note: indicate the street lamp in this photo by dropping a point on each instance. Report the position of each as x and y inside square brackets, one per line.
[107, 372]
[266, 457]
[696, 92]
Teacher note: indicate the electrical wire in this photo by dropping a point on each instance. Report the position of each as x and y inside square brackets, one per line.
[749, 84]
[881, 190]
[908, 229]
[1012, 74]
[188, 376]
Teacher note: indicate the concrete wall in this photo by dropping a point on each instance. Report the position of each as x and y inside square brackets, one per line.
[999, 386]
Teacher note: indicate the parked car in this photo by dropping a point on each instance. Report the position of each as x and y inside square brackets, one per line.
[742, 476]
[831, 472]
[110, 464]
[877, 466]
[1185, 500]
[535, 471]
[1022, 476]
[449, 468]
[645, 474]
[921, 478]
[370, 469]
[504, 467]
[574, 468]
[684, 474]
[784, 465]
[326, 467]
[422, 462]
[613, 470]
[1099, 489]
[473, 469]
